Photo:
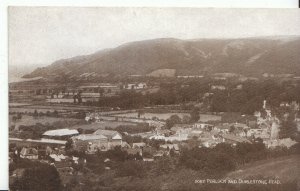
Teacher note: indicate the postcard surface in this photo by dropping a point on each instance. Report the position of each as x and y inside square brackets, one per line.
[170, 99]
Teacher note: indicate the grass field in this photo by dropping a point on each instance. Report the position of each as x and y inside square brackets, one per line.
[103, 124]
[29, 120]
[164, 116]
[284, 168]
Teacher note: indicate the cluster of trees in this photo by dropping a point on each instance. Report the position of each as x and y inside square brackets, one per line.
[17, 117]
[126, 99]
[175, 119]
[35, 176]
[48, 114]
[246, 100]
[250, 97]
[36, 131]
[33, 131]
[35, 114]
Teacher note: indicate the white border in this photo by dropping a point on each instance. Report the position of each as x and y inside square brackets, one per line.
[159, 3]
[89, 3]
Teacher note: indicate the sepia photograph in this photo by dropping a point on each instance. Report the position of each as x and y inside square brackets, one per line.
[153, 99]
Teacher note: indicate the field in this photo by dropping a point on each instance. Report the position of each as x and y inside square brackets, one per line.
[29, 120]
[18, 104]
[29, 110]
[164, 116]
[284, 168]
[102, 125]
[51, 108]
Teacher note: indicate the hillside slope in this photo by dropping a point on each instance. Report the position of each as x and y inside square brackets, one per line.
[252, 56]
[286, 169]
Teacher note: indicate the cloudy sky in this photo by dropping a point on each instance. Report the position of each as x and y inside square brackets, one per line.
[40, 35]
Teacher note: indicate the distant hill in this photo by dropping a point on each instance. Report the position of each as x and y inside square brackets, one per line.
[248, 56]
[15, 72]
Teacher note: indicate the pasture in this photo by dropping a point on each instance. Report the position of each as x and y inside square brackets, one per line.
[103, 125]
[30, 120]
[165, 116]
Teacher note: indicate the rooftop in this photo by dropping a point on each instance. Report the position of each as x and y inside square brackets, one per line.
[29, 151]
[87, 137]
[107, 133]
[61, 132]
[235, 138]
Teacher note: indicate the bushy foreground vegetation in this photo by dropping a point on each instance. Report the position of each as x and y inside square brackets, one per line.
[177, 172]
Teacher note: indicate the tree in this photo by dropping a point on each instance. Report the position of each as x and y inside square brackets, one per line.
[173, 119]
[69, 144]
[140, 112]
[35, 114]
[186, 119]
[195, 115]
[231, 129]
[172, 152]
[101, 92]
[19, 116]
[55, 113]
[14, 118]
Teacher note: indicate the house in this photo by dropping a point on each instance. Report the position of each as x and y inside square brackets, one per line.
[148, 159]
[240, 125]
[255, 132]
[239, 132]
[263, 136]
[177, 128]
[60, 134]
[210, 143]
[125, 145]
[177, 137]
[210, 139]
[135, 86]
[158, 154]
[158, 137]
[223, 128]
[29, 153]
[232, 139]
[57, 158]
[100, 140]
[203, 126]
[134, 151]
[287, 142]
[165, 132]
[90, 143]
[114, 138]
[170, 146]
[138, 145]
[195, 133]
[154, 123]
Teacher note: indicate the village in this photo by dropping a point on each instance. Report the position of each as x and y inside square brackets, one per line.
[67, 148]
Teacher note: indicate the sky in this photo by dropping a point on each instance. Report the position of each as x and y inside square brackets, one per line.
[41, 35]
